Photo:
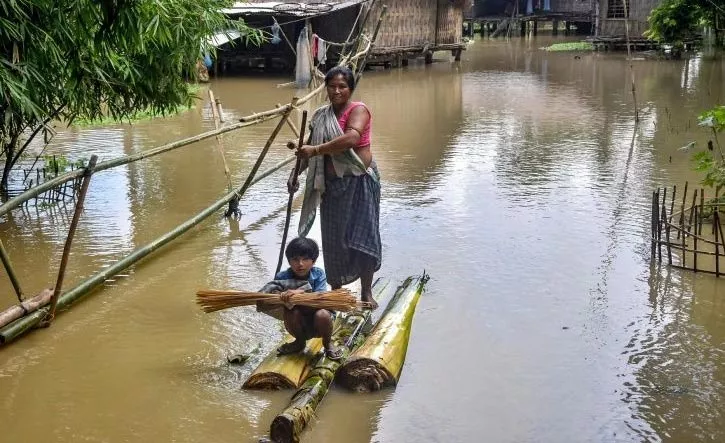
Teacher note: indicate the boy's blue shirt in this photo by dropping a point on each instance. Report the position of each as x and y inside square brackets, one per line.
[317, 278]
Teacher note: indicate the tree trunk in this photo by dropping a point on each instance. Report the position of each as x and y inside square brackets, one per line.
[379, 361]
[284, 371]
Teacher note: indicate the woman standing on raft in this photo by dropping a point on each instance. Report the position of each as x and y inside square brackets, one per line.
[343, 180]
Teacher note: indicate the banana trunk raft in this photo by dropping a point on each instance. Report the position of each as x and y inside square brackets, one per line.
[289, 371]
[288, 426]
[379, 361]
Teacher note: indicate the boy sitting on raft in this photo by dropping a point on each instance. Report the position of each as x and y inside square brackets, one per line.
[304, 322]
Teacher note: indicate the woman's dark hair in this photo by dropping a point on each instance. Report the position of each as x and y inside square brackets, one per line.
[302, 247]
[346, 73]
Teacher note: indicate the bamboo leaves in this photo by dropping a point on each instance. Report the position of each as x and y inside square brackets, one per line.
[100, 58]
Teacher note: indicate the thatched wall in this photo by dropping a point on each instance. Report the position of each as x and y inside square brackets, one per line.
[419, 23]
[583, 7]
[639, 10]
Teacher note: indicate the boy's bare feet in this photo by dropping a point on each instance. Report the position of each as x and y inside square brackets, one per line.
[291, 348]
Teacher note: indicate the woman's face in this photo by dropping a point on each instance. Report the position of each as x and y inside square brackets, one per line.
[338, 91]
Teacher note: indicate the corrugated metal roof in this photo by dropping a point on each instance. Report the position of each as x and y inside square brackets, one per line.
[289, 8]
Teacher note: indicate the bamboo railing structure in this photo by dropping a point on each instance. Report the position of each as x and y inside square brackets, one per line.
[692, 236]
[30, 319]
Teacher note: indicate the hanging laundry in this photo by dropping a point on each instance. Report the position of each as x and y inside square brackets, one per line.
[321, 51]
[275, 33]
[315, 39]
[302, 68]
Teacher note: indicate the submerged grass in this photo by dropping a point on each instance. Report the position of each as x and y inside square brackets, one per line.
[573, 46]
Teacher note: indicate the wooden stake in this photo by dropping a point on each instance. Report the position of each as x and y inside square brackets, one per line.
[716, 226]
[672, 203]
[69, 240]
[667, 237]
[682, 211]
[702, 207]
[694, 241]
[653, 225]
[659, 227]
[11, 272]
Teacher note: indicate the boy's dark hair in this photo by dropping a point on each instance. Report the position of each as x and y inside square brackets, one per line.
[346, 73]
[302, 247]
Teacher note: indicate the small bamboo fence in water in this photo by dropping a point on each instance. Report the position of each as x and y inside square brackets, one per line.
[688, 230]
[40, 309]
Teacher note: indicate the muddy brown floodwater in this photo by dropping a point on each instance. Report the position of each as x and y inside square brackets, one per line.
[511, 178]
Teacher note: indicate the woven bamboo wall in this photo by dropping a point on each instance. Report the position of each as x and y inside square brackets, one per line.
[450, 22]
[407, 23]
[576, 6]
[639, 10]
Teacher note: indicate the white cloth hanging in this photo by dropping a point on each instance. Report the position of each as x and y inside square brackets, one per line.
[302, 67]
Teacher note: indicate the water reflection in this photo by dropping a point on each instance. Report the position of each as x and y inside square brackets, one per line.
[517, 178]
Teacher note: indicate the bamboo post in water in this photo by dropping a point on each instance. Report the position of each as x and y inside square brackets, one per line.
[379, 361]
[718, 233]
[659, 226]
[288, 425]
[682, 211]
[11, 272]
[22, 325]
[233, 209]
[694, 243]
[87, 174]
[702, 208]
[672, 203]
[653, 226]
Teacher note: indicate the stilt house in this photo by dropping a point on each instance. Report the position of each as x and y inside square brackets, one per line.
[411, 28]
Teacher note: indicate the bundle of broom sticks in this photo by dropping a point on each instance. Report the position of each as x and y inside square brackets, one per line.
[342, 300]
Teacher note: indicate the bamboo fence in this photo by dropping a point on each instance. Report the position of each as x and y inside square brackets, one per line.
[688, 230]
[35, 311]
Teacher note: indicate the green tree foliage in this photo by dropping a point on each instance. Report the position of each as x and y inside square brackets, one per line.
[674, 21]
[711, 162]
[90, 58]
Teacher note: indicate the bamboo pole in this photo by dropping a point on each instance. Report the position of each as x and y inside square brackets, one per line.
[266, 147]
[653, 226]
[120, 161]
[716, 227]
[87, 174]
[702, 208]
[692, 210]
[360, 69]
[659, 226]
[672, 203]
[295, 175]
[667, 234]
[20, 326]
[694, 241]
[682, 211]
[219, 143]
[288, 425]
[379, 361]
[11, 272]
[25, 307]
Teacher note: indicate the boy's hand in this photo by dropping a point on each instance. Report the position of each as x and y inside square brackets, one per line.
[286, 297]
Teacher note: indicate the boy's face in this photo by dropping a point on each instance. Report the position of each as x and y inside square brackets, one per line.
[301, 266]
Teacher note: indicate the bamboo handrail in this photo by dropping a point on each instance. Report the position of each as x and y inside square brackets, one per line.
[22, 325]
[118, 161]
[87, 174]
